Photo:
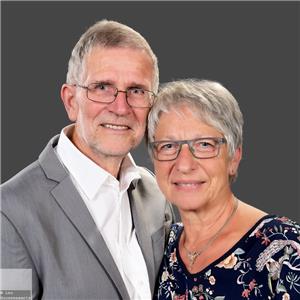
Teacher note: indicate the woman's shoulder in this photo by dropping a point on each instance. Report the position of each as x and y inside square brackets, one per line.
[276, 227]
[274, 235]
[254, 222]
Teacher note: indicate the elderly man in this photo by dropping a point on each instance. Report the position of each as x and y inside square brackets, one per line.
[86, 220]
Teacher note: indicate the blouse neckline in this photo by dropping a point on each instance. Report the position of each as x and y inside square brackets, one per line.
[223, 256]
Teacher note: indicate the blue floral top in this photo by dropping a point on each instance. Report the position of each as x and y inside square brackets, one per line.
[264, 264]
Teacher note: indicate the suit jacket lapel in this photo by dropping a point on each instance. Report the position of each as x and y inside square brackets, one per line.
[143, 235]
[76, 211]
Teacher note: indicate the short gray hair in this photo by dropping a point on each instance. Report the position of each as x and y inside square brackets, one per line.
[209, 100]
[108, 34]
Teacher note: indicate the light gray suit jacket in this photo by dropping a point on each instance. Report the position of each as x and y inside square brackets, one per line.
[46, 227]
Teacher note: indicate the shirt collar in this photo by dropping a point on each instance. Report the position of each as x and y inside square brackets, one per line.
[129, 173]
[87, 174]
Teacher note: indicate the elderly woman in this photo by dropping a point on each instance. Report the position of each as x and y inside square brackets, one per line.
[224, 248]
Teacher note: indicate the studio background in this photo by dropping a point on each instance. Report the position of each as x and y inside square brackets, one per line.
[250, 47]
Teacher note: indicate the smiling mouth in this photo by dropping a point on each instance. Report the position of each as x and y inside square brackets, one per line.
[192, 184]
[186, 184]
[115, 127]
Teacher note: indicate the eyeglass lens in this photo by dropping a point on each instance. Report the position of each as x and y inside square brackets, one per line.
[136, 97]
[200, 148]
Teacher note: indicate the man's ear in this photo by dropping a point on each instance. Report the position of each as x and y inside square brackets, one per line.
[235, 161]
[67, 94]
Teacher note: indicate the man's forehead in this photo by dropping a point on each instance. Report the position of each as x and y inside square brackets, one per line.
[109, 64]
[104, 50]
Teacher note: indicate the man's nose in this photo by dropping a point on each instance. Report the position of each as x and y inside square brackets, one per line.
[120, 105]
[185, 162]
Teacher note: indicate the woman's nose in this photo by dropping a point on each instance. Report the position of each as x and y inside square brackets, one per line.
[185, 161]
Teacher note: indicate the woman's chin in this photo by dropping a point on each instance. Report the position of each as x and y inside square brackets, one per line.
[187, 206]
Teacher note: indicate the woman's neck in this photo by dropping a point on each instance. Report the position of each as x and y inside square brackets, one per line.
[203, 224]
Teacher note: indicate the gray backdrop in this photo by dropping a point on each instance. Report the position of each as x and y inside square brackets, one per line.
[250, 47]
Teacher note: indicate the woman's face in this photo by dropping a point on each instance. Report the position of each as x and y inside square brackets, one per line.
[188, 182]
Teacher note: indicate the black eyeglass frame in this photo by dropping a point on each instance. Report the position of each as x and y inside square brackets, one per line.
[117, 91]
[218, 140]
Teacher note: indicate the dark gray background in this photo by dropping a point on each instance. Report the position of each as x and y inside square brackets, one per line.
[250, 47]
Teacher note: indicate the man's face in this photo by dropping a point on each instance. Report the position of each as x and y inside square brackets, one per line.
[110, 130]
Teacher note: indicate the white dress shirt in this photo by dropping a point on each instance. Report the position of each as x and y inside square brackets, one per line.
[107, 201]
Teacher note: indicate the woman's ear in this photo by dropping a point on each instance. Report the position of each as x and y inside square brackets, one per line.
[67, 94]
[235, 161]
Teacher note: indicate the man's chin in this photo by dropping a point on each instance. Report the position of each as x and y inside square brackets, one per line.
[113, 151]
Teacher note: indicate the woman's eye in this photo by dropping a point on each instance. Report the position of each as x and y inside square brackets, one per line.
[205, 145]
[166, 147]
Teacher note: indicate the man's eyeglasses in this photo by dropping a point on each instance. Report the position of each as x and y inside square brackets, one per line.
[107, 93]
[207, 147]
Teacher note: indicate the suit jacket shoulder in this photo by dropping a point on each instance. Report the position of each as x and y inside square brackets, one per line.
[46, 227]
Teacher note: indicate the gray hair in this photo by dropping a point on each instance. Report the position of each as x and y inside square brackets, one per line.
[108, 34]
[209, 100]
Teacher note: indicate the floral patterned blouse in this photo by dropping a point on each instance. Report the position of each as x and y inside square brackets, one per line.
[264, 264]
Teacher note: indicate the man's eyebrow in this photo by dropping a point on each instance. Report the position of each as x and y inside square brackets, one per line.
[130, 85]
[137, 85]
[102, 82]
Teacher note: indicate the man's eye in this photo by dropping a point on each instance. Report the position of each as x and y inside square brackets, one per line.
[102, 87]
[136, 91]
